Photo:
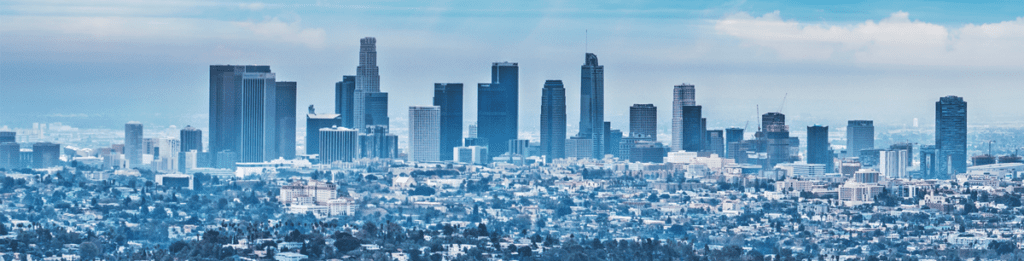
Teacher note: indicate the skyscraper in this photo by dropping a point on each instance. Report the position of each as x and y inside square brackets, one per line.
[191, 139]
[367, 81]
[344, 93]
[337, 144]
[552, 120]
[243, 111]
[732, 135]
[377, 109]
[817, 147]
[928, 162]
[425, 133]
[315, 122]
[692, 129]
[643, 120]
[715, 142]
[10, 155]
[133, 148]
[682, 95]
[46, 154]
[498, 107]
[285, 140]
[950, 136]
[377, 143]
[860, 135]
[448, 96]
[592, 104]
[776, 132]
[8, 136]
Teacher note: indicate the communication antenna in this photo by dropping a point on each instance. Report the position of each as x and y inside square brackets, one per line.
[783, 102]
[586, 41]
[758, 116]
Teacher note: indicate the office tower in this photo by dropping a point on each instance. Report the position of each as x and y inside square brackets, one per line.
[337, 144]
[45, 155]
[643, 120]
[614, 139]
[498, 107]
[682, 95]
[860, 135]
[552, 120]
[367, 81]
[950, 136]
[10, 155]
[375, 142]
[285, 141]
[692, 129]
[226, 159]
[424, 133]
[448, 96]
[716, 142]
[258, 117]
[191, 139]
[519, 147]
[315, 122]
[647, 151]
[776, 134]
[472, 131]
[893, 163]
[8, 136]
[377, 109]
[927, 161]
[869, 157]
[732, 135]
[909, 147]
[230, 85]
[577, 147]
[133, 147]
[607, 130]
[344, 93]
[471, 154]
[817, 147]
[592, 104]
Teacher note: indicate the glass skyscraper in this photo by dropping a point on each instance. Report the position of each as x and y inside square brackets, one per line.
[552, 120]
[344, 92]
[860, 135]
[286, 92]
[367, 81]
[817, 146]
[643, 121]
[592, 104]
[424, 133]
[682, 95]
[950, 136]
[448, 96]
[498, 107]
[692, 129]
[243, 109]
[133, 148]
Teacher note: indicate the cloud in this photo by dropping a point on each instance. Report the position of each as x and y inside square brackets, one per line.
[896, 40]
[288, 32]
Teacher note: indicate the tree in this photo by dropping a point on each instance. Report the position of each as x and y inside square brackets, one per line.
[345, 242]
[294, 236]
[422, 191]
[88, 251]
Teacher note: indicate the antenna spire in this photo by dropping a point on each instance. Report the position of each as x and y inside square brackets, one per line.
[586, 41]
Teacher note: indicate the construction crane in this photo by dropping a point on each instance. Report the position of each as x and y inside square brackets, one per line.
[783, 102]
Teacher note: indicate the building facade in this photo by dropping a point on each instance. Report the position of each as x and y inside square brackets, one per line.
[682, 95]
[285, 142]
[950, 136]
[552, 120]
[643, 120]
[337, 144]
[860, 135]
[367, 81]
[818, 146]
[498, 107]
[592, 104]
[133, 147]
[315, 122]
[448, 96]
[424, 133]
[344, 99]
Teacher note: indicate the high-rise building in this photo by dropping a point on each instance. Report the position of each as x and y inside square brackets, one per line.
[592, 104]
[10, 155]
[448, 96]
[242, 108]
[285, 141]
[716, 142]
[498, 107]
[337, 144]
[732, 135]
[472, 131]
[519, 147]
[552, 120]
[377, 143]
[909, 147]
[682, 95]
[860, 135]
[614, 138]
[133, 147]
[367, 81]
[344, 99]
[776, 133]
[817, 146]
[927, 159]
[950, 136]
[893, 163]
[643, 120]
[191, 139]
[377, 109]
[692, 129]
[424, 133]
[471, 154]
[576, 147]
[315, 122]
[8, 136]
[45, 155]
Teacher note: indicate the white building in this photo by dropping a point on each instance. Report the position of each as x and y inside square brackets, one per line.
[471, 154]
[893, 163]
[424, 133]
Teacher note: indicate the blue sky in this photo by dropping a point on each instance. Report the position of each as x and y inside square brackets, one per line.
[103, 63]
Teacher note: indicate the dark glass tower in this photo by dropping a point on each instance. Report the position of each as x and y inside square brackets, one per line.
[133, 148]
[448, 96]
[242, 108]
[376, 110]
[315, 122]
[732, 135]
[367, 82]
[643, 121]
[498, 107]
[692, 129]
[8, 136]
[682, 96]
[191, 139]
[286, 120]
[950, 136]
[715, 141]
[776, 133]
[860, 135]
[592, 104]
[344, 93]
[817, 146]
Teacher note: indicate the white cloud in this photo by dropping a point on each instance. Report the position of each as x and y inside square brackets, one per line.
[894, 40]
[288, 32]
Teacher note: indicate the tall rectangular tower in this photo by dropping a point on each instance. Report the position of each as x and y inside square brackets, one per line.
[643, 121]
[592, 104]
[448, 96]
[817, 147]
[692, 129]
[285, 141]
[133, 148]
[232, 94]
[950, 136]
[552, 120]
[682, 95]
[191, 139]
[498, 107]
[424, 133]
[344, 98]
[860, 135]
[259, 116]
